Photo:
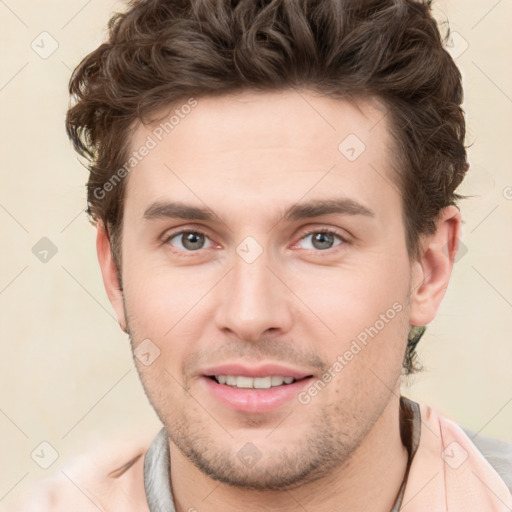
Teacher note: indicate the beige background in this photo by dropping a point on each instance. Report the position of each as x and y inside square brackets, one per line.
[66, 369]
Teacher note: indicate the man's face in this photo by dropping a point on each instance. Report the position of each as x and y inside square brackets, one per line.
[257, 291]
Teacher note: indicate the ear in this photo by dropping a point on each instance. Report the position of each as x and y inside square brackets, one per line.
[109, 273]
[432, 271]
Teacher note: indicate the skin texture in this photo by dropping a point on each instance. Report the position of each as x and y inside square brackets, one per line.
[248, 158]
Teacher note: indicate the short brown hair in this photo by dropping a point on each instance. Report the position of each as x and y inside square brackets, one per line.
[161, 52]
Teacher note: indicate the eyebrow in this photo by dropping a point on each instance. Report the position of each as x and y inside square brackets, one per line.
[314, 208]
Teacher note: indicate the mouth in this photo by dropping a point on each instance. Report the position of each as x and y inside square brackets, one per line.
[243, 382]
[254, 389]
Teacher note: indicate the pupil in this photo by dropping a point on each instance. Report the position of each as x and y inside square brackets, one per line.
[193, 240]
[322, 240]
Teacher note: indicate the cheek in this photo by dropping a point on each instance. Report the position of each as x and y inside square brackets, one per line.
[365, 309]
[167, 307]
[350, 299]
[159, 297]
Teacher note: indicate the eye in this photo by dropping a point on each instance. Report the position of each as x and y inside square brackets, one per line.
[189, 240]
[322, 240]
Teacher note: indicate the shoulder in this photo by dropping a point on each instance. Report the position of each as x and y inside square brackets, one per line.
[108, 477]
[498, 453]
[492, 452]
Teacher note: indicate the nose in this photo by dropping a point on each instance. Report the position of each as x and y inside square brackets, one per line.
[253, 301]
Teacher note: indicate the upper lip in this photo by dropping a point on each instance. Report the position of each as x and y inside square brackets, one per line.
[262, 370]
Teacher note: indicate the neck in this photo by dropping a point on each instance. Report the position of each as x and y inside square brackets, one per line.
[369, 481]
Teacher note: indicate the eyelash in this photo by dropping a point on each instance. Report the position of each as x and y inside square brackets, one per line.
[324, 231]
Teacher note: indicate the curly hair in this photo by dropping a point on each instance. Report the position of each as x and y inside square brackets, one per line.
[160, 52]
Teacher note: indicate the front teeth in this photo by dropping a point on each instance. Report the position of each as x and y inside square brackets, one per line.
[255, 383]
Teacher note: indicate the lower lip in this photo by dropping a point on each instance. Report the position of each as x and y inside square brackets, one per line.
[255, 400]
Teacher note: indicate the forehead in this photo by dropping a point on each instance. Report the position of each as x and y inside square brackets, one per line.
[270, 147]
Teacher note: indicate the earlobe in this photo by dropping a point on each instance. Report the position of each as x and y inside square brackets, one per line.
[109, 274]
[432, 271]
